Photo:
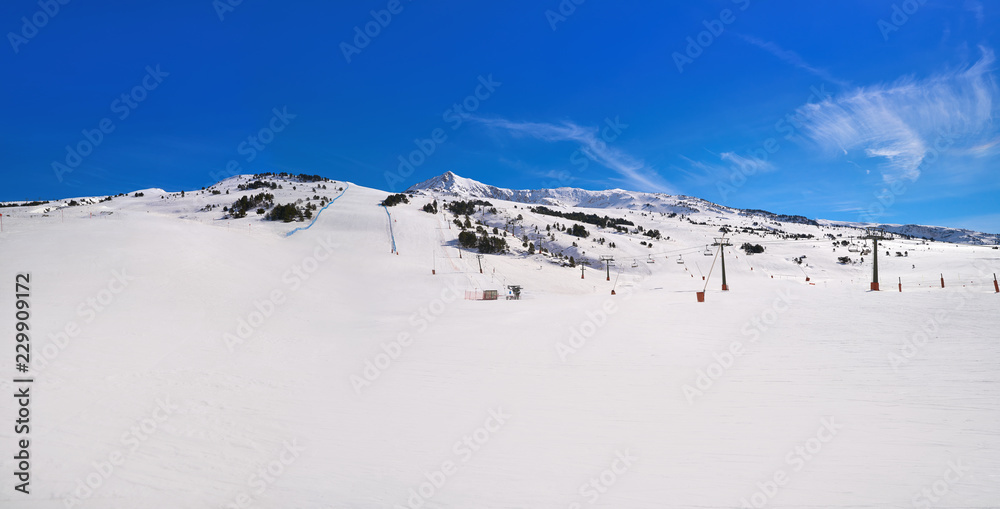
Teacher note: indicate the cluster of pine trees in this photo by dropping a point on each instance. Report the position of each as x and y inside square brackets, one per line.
[466, 208]
[23, 204]
[483, 242]
[594, 219]
[467, 239]
[301, 177]
[240, 207]
[395, 199]
[290, 212]
[257, 184]
[578, 230]
[488, 244]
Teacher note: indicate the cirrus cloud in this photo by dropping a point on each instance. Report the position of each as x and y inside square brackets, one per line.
[631, 170]
[899, 123]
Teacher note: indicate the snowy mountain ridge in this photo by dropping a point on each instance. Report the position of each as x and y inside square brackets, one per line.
[452, 184]
[938, 233]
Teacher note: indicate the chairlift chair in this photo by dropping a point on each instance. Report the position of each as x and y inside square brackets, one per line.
[650, 259]
[635, 263]
[708, 252]
[854, 248]
[680, 260]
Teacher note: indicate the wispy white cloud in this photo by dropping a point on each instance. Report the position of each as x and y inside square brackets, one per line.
[721, 167]
[747, 164]
[906, 122]
[699, 173]
[976, 8]
[852, 207]
[794, 59]
[985, 149]
[633, 171]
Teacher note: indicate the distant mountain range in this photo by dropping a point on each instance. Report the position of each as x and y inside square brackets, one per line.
[454, 185]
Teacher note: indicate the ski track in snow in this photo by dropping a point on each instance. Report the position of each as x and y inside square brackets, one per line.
[320, 211]
[392, 236]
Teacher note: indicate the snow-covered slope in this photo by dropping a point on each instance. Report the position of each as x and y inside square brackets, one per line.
[186, 358]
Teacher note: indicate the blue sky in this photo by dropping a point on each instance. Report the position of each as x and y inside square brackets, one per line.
[851, 110]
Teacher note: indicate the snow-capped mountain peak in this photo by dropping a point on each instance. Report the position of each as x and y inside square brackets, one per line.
[452, 184]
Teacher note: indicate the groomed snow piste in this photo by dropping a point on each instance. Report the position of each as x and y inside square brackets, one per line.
[185, 359]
